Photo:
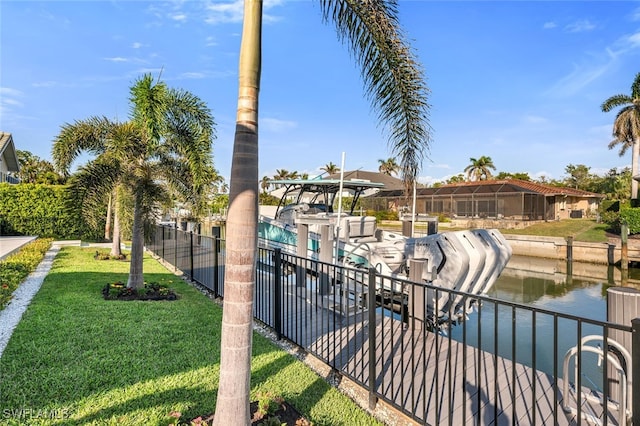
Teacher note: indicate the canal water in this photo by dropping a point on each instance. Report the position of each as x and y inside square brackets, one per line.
[574, 289]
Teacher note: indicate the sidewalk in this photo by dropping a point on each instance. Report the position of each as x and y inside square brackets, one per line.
[9, 245]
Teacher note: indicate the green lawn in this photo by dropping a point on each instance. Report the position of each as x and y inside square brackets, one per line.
[586, 230]
[580, 229]
[85, 360]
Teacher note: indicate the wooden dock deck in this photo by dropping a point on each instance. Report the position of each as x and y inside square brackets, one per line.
[454, 383]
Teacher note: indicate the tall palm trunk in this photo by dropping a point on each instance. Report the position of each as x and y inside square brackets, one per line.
[107, 225]
[136, 277]
[232, 406]
[635, 151]
[116, 249]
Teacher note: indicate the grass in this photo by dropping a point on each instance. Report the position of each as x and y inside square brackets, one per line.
[585, 230]
[76, 358]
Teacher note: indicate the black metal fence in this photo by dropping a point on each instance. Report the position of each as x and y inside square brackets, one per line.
[480, 361]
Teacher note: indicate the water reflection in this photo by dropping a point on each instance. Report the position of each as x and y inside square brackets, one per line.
[575, 289]
[515, 333]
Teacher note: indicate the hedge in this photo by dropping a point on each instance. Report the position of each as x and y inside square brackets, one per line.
[42, 210]
[631, 215]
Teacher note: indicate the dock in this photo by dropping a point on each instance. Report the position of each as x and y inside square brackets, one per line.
[458, 383]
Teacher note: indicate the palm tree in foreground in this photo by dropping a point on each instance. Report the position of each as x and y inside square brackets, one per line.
[626, 127]
[479, 169]
[165, 148]
[395, 86]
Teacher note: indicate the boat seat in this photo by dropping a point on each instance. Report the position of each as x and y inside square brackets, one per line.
[358, 228]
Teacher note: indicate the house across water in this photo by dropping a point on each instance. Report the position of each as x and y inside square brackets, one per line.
[494, 201]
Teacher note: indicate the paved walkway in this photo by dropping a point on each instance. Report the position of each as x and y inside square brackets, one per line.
[9, 245]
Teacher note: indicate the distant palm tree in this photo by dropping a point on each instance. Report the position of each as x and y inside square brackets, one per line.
[264, 184]
[479, 168]
[389, 166]
[626, 127]
[281, 174]
[395, 86]
[165, 148]
[330, 168]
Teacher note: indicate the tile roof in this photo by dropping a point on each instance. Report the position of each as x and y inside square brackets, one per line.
[499, 186]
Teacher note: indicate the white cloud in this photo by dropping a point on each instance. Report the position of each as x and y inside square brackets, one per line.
[599, 64]
[11, 102]
[218, 13]
[535, 119]
[116, 59]
[232, 12]
[210, 41]
[180, 17]
[45, 84]
[136, 45]
[549, 25]
[192, 75]
[580, 26]
[277, 125]
[635, 15]
[7, 91]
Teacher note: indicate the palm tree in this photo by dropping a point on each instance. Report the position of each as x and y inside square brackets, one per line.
[479, 168]
[396, 88]
[388, 167]
[626, 127]
[330, 168]
[265, 184]
[165, 148]
[281, 174]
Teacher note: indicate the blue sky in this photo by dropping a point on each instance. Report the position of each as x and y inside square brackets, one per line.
[521, 82]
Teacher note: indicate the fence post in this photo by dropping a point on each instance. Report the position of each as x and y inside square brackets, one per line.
[277, 293]
[635, 374]
[175, 251]
[163, 258]
[216, 283]
[373, 399]
[191, 255]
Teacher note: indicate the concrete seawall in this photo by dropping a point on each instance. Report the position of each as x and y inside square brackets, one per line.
[556, 248]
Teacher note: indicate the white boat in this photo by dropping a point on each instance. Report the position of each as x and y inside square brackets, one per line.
[466, 261]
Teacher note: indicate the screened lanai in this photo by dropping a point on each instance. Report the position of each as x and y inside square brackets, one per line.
[496, 199]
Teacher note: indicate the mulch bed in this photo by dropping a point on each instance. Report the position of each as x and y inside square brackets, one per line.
[286, 413]
[151, 291]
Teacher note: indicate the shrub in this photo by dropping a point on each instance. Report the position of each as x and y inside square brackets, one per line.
[631, 215]
[383, 215]
[15, 268]
[43, 210]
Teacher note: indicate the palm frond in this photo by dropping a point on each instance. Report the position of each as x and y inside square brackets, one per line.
[148, 106]
[393, 78]
[635, 88]
[88, 135]
[91, 185]
[615, 101]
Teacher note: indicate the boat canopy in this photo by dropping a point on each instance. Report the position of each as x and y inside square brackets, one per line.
[322, 191]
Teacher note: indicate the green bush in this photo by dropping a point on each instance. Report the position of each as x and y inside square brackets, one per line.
[631, 215]
[42, 210]
[383, 215]
[15, 268]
